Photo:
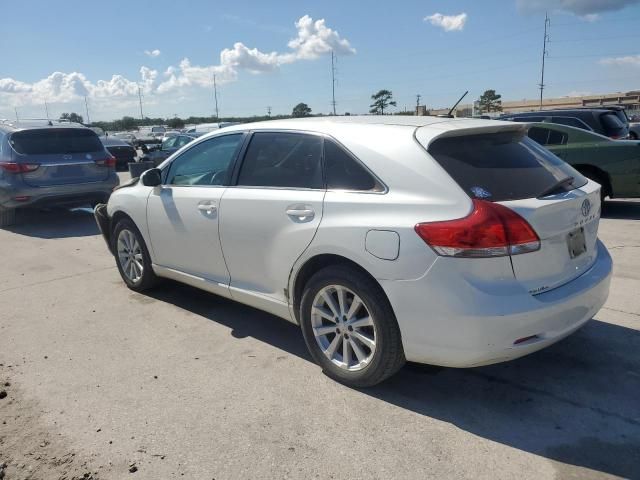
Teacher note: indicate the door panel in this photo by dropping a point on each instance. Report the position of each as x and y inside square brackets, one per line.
[183, 226]
[263, 232]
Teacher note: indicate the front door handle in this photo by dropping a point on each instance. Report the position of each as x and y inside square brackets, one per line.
[207, 207]
[301, 213]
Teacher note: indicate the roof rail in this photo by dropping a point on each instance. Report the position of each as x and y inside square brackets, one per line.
[46, 121]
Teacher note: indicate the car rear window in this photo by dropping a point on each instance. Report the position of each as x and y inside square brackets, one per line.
[503, 166]
[613, 126]
[55, 141]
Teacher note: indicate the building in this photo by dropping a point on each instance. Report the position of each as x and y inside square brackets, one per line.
[630, 100]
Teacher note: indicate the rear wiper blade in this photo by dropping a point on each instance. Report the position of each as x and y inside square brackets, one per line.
[556, 186]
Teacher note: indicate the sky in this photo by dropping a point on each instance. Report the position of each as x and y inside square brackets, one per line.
[276, 54]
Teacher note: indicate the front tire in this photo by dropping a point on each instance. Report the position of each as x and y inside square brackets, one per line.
[132, 257]
[350, 328]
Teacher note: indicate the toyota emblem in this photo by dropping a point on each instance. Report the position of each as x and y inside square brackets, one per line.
[586, 207]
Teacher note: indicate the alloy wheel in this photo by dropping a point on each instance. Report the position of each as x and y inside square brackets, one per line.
[130, 256]
[343, 327]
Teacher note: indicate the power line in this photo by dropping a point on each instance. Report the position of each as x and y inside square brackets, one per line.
[333, 82]
[547, 23]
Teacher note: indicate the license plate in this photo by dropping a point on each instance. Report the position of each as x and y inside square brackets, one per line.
[576, 242]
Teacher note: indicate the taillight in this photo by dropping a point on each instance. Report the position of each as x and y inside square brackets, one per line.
[490, 230]
[110, 161]
[13, 167]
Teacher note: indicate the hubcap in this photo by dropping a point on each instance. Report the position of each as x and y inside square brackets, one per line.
[130, 256]
[343, 327]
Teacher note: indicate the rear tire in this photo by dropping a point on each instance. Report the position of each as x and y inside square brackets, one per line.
[7, 217]
[598, 177]
[374, 351]
[132, 257]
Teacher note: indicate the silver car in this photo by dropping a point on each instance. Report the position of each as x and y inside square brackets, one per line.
[45, 163]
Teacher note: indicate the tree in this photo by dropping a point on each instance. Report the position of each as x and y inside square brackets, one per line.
[381, 101]
[301, 110]
[175, 123]
[72, 117]
[489, 101]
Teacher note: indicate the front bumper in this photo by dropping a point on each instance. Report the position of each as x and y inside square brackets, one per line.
[447, 320]
[104, 223]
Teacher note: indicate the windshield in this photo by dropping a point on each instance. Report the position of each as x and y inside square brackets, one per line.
[55, 141]
[502, 166]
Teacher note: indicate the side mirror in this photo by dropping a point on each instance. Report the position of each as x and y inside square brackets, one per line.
[151, 178]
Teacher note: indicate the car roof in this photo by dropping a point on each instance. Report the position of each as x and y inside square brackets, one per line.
[35, 124]
[330, 123]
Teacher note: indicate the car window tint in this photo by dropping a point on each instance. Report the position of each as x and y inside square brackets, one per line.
[56, 141]
[613, 126]
[207, 163]
[569, 121]
[538, 134]
[183, 140]
[502, 166]
[169, 143]
[342, 171]
[283, 160]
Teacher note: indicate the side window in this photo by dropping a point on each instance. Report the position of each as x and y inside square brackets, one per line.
[539, 135]
[182, 141]
[529, 119]
[169, 143]
[343, 172]
[569, 121]
[547, 136]
[283, 160]
[207, 163]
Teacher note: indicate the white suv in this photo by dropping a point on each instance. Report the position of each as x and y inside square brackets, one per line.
[449, 242]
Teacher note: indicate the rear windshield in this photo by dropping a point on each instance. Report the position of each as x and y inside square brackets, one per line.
[613, 126]
[504, 166]
[55, 141]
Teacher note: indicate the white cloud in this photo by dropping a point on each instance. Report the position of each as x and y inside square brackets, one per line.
[313, 40]
[582, 8]
[449, 23]
[627, 61]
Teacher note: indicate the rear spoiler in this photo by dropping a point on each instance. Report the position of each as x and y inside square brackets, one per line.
[428, 134]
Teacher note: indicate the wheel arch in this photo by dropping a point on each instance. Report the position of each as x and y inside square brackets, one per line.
[585, 169]
[313, 265]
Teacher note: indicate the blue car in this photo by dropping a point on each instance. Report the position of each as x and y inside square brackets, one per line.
[49, 163]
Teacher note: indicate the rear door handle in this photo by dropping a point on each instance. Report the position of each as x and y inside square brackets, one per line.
[301, 213]
[207, 207]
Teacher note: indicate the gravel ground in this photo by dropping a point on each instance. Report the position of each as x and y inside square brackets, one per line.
[104, 383]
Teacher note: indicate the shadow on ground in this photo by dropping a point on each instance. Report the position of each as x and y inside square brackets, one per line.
[55, 223]
[621, 209]
[575, 403]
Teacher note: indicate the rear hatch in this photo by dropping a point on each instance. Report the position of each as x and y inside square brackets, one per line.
[60, 156]
[561, 205]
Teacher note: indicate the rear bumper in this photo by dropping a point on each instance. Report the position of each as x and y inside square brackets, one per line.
[58, 195]
[457, 322]
[104, 223]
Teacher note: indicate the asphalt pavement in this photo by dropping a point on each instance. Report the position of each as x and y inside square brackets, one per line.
[178, 383]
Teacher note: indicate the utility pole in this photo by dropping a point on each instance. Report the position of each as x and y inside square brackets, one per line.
[46, 109]
[269, 111]
[333, 81]
[215, 94]
[547, 24]
[15, 109]
[140, 99]
[86, 106]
